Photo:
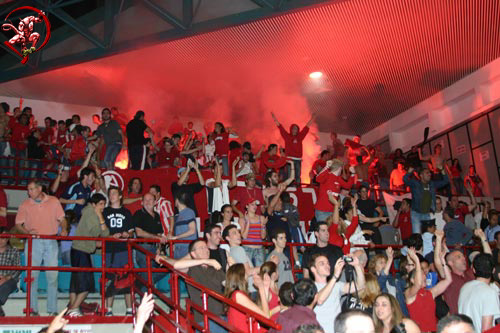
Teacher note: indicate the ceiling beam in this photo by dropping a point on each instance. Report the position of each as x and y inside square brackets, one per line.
[164, 14]
[161, 37]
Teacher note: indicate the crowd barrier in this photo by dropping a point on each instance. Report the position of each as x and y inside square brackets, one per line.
[178, 318]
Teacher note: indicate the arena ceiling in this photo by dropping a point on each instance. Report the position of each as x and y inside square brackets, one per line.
[379, 57]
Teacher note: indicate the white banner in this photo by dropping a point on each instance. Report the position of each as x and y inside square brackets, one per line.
[390, 200]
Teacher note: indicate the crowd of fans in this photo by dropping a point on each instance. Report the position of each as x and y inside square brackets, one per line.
[436, 280]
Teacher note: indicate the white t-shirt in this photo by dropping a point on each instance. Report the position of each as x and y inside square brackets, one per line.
[477, 299]
[427, 243]
[331, 308]
[440, 223]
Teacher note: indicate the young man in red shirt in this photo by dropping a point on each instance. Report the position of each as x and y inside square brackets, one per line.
[403, 219]
[293, 143]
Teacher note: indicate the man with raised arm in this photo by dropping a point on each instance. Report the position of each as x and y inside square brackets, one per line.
[457, 262]
[293, 143]
[330, 292]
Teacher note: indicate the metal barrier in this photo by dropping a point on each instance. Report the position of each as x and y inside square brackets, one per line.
[177, 318]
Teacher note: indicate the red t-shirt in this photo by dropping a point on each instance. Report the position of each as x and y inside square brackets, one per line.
[243, 194]
[239, 319]
[338, 240]
[293, 143]
[330, 182]
[222, 144]
[48, 135]
[460, 213]
[135, 206]
[77, 146]
[267, 161]
[62, 138]
[3, 204]
[19, 134]
[318, 165]
[423, 311]
[405, 224]
[165, 158]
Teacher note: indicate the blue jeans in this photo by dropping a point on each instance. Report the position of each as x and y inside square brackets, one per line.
[214, 327]
[321, 215]
[44, 251]
[181, 250]
[416, 221]
[142, 263]
[112, 152]
[34, 164]
[256, 255]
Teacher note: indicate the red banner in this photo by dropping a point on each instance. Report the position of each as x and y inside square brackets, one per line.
[304, 198]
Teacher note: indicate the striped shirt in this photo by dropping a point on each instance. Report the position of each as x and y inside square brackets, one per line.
[254, 231]
[164, 208]
[10, 257]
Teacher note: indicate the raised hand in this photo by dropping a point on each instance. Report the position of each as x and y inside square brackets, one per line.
[339, 266]
[58, 322]
[439, 234]
[144, 310]
[389, 252]
[480, 233]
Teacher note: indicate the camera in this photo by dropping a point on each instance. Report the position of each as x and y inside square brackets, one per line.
[347, 259]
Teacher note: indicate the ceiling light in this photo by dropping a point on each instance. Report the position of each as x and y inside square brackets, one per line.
[315, 75]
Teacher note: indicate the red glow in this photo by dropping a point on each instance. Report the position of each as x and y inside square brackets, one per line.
[122, 160]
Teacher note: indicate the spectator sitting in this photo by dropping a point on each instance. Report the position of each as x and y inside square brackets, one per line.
[456, 232]
[304, 295]
[370, 215]
[227, 218]
[268, 271]
[477, 299]
[8, 279]
[363, 300]
[388, 317]
[437, 215]
[286, 297]
[461, 209]
[92, 224]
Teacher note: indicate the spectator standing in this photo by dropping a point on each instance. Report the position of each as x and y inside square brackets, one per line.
[92, 224]
[477, 299]
[332, 252]
[213, 236]
[276, 219]
[184, 226]
[340, 232]
[4, 128]
[134, 195]
[3, 208]
[304, 295]
[396, 180]
[272, 182]
[77, 195]
[243, 194]
[284, 267]
[473, 180]
[371, 215]
[403, 219]
[8, 279]
[437, 215]
[461, 209]
[208, 273]
[221, 137]
[456, 176]
[338, 148]
[148, 225]
[164, 208]
[318, 165]
[456, 232]
[330, 292]
[114, 139]
[330, 180]
[423, 193]
[253, 229]
[293, 143]
[181, 186]
[118, 219]
[42, 214]
[493, 226]
[137, 150]
[420, 301]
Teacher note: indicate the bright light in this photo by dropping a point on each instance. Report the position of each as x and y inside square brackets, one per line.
[315, 75]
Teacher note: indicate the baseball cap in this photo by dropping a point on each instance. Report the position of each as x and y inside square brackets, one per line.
[251, 200]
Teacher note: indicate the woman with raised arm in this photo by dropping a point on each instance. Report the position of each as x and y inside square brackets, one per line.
[421, 301]
[237, 291]
[340, 231]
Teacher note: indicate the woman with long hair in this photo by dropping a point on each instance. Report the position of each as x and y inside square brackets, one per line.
[226, 217]
[421, 301]
[340, 231]
[237, 290]
[388, 317]
[269, 270]
[253, 229]
[365, 297]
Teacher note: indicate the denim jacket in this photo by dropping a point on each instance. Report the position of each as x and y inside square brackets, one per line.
[417, 190]
[397, 284]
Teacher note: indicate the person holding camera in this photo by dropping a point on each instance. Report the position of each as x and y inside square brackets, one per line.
[330, 292]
